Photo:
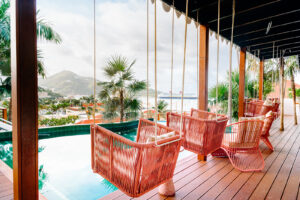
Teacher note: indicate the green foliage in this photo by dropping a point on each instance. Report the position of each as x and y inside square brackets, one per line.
[118, 95]
[223, 94]
[58, 121]
[298, 92]
[5, 87]
[162, 106]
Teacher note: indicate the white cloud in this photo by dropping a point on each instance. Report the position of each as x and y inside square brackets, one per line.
[121, 29]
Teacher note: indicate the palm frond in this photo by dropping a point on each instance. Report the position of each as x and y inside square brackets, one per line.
[45, 31]
[137, 86]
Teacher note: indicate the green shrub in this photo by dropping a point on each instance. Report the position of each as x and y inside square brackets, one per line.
[58, 121]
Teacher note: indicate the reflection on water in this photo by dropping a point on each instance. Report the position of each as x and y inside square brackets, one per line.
[6, 155]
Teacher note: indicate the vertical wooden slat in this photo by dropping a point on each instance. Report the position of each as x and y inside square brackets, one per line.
[203, 71]
[203, 67]
[261, 79]
[282, 90]
[242, 81]
[24, 99]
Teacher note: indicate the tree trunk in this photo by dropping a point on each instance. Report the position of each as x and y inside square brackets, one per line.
[282, 94]
[121, 106]
[294, 98]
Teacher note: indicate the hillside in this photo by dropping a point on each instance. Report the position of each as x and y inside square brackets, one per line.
[68, 83]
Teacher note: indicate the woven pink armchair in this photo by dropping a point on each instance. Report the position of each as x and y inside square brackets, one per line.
[241, 145]
[256, 108]
[268, 121]
[134, 167]
[202, 133]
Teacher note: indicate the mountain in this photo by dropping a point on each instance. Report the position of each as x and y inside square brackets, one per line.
[68, 83]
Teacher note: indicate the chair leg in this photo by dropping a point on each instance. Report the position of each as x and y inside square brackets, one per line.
[202, 157]
[267, 142]
[167, 189]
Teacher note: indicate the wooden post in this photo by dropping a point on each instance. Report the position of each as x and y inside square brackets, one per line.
[24, 99]
[242, 81]
[4, 113]
[261, 79]
[203, 67]
[282, 92]
[203, 71]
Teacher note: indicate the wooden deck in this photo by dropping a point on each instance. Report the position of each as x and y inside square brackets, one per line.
[6, 188]
[217, 179]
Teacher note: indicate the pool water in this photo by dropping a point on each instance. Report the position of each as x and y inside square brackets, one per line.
[64, 167]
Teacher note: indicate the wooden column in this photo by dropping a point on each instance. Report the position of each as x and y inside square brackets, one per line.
[242, 81]
[261, 79]
[203, 67]
[282, 94]
[24, 99]
[203, 71]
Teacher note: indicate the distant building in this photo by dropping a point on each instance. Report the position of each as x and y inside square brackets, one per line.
[288, 85]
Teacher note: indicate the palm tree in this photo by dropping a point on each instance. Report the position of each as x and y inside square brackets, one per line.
[119, 93]
[44, 31]
[292, 68]
[223, 92]
[161, 108]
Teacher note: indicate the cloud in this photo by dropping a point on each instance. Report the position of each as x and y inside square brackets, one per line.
[121, 29]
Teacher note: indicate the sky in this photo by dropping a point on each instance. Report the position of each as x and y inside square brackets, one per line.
[121, 30]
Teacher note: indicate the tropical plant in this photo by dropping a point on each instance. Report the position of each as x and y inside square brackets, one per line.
[58, 121]
[118, 95]
[292, 68]
[223, 93]
[44, 31]
[162, 106]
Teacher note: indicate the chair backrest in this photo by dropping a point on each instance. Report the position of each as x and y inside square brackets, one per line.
[276, 107]
[201, 114]
[250, 107]
[133, 167]
[244, 134]
[264, 109]
[268, 121]
[201, 136]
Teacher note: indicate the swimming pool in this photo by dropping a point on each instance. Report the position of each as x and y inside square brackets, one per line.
[64, 167]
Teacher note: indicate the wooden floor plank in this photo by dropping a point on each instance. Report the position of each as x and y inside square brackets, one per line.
[267, 180]
[6, 188]
[280, 181]
[255, 178]
[203, 188]
[183, 189]
[196, 173]
[291, 188]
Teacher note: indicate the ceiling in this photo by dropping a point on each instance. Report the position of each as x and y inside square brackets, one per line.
[251, 21]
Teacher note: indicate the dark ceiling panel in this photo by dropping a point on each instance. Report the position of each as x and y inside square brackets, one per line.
[251, 22]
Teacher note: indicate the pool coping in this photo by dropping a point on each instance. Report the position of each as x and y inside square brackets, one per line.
[67, 130]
